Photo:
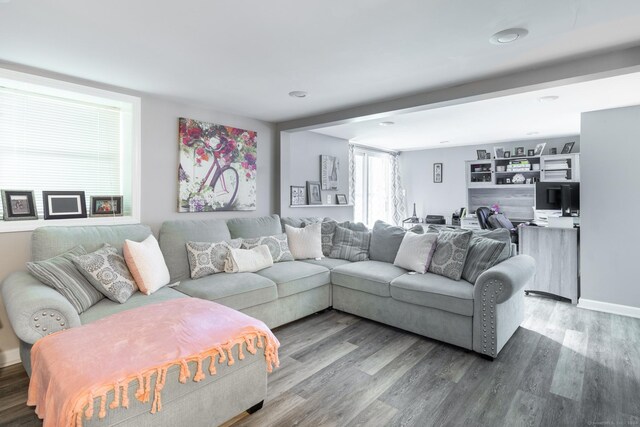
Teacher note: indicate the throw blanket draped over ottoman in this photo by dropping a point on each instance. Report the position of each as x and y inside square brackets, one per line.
[72, 367]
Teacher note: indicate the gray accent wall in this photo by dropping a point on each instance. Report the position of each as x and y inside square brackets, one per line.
[159, 176]
[300, 162]
[609, 203]
[416, 168]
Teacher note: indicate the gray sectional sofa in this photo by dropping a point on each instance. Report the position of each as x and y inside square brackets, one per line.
[480, 318]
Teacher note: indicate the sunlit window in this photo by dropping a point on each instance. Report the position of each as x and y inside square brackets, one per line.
[372, 186]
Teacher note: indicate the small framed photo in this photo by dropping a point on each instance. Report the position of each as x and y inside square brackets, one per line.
[507, 154]
[106, 205]
[64, 204]
[507, 180]
[341, 199]
[487, 156]
[519, 151]
[540, 148]
[314, 193]
[553, 151]
[437, 173]
[498, 152]
[298, 195]
[18, 205]
[567, 148]
[531, 153]
[481, 154]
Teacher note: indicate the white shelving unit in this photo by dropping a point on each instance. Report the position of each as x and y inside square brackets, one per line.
[321, 206]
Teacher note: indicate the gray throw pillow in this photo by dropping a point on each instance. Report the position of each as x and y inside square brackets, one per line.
[451, 252]
[107, 271]
[278, 246]
[501, 235]
[350, 245]
[60, 274]
[386, 240]
[207, 258]
[328, 230]
[483, 254]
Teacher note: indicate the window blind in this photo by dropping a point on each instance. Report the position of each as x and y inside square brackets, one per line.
[54, 144]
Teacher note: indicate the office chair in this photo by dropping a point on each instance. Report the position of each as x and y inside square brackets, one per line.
[489, 221]
[483, 213]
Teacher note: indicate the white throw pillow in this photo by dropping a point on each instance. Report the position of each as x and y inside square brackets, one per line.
[416, 251]
[305, 243]
[146, 263]
[248, 260]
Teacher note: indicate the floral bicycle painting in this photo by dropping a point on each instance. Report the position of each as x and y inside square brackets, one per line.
[217, 169]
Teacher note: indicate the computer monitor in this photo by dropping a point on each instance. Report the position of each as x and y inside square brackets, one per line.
[563, 196]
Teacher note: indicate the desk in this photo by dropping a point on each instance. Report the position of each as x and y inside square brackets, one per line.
[556, 253]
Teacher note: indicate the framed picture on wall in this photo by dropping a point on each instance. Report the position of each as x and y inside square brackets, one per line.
[314, 193]
[298, 195]
[329, 168]
[437, 173]
[64, 204]
[17, 205]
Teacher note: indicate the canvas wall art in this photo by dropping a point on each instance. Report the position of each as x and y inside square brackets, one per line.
[217, 169]
[329, 167]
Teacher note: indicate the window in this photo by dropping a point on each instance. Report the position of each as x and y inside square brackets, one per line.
[60, 136]
[372, 186]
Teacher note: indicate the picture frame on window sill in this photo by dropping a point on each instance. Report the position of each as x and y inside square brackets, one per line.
[18, 205]
[106, 206]
[341, 199]
[64, 204]
[314, 193]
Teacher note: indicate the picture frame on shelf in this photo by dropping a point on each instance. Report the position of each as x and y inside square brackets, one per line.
[498, 152]
[507, 180]
[437, 173]
[314, 193]
[567, 148]
[487, 156]
[531, 153]
[341, 199]
[519, 152]
[18, 205]
[106, 205]
[64, 204]
[553, 151]
[540, 149]
[481, 154]
[298, 195]
[507, 154]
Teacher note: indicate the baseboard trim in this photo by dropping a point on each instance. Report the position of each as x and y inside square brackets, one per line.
[607, 307]
[9, 357]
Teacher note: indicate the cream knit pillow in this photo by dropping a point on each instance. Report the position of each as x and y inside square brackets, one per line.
[416, 251]
[146, 263]
[305, 243]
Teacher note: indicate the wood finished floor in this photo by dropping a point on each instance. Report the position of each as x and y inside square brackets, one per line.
[564, 367]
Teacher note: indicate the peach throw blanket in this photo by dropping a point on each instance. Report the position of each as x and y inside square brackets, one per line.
[70, 368]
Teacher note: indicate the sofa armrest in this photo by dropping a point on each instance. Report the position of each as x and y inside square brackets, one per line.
[498, 306]
[34, 309]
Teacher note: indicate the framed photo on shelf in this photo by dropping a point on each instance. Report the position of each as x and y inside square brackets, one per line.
[498, 152]
[531, 153]
[540, 149]
[482, 154]
[519, 152]
[18, 205]
[487, 156]
[567, 148]
[64, 204]
[341, 199]
[298, 195]
[507, 154]
[437, 173]
[553, 151]
[314, 193]
[106, 205]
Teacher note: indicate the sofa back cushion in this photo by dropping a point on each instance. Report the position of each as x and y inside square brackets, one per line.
[386, 240]
[174, 236]
[247, 228]
[350, 245]
[298, 221]
[50, 241]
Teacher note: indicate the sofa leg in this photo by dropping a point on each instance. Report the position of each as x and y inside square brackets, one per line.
[487, 357]
[255, 408]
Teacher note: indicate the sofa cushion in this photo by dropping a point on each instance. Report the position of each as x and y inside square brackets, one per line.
[293, 277]
[254, 227]
[372, 277]
[416, 251]
[206, 258]
[298, 222]
[278, 246]
[386, 240]
[175, 234]
[451, 252]
[432, 290]
[146, 264]
[483, 254]
[235, 290]
[329, 228]
[350, 245]
[106, 307]
[304, 243]
[501, 235]
[329, 263]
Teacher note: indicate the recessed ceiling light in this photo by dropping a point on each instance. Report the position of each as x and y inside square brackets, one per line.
[508, 36]
[298, 94]
[549, 98]
[387, 123]
[444, 142]
[533, 133]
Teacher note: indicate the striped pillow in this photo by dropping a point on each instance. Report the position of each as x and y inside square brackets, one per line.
[350, 245]
[62, 275]
[483, 254]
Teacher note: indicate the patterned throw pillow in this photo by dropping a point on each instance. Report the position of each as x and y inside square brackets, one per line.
[107, 271]
[451, 252]
[208, 258]
[329, 228]
[350, 245]
[60, 274]
[483, 254]
[278, 246]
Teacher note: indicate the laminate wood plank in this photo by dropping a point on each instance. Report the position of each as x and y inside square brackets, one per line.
[272, 411]
[525, 410]
[568, 376]
[372, 364]
[538, 376]
[560, 411]
[377, 414]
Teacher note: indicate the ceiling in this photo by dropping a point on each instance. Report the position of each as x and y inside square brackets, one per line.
[508, 118]
[244, 57]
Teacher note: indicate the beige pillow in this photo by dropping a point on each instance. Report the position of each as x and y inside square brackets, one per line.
[305, 243]
[146, 263]
[416, 251]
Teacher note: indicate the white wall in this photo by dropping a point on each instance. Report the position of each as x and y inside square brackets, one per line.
[609, 203]
[416, 168]
[300, 162]
[159, 178]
